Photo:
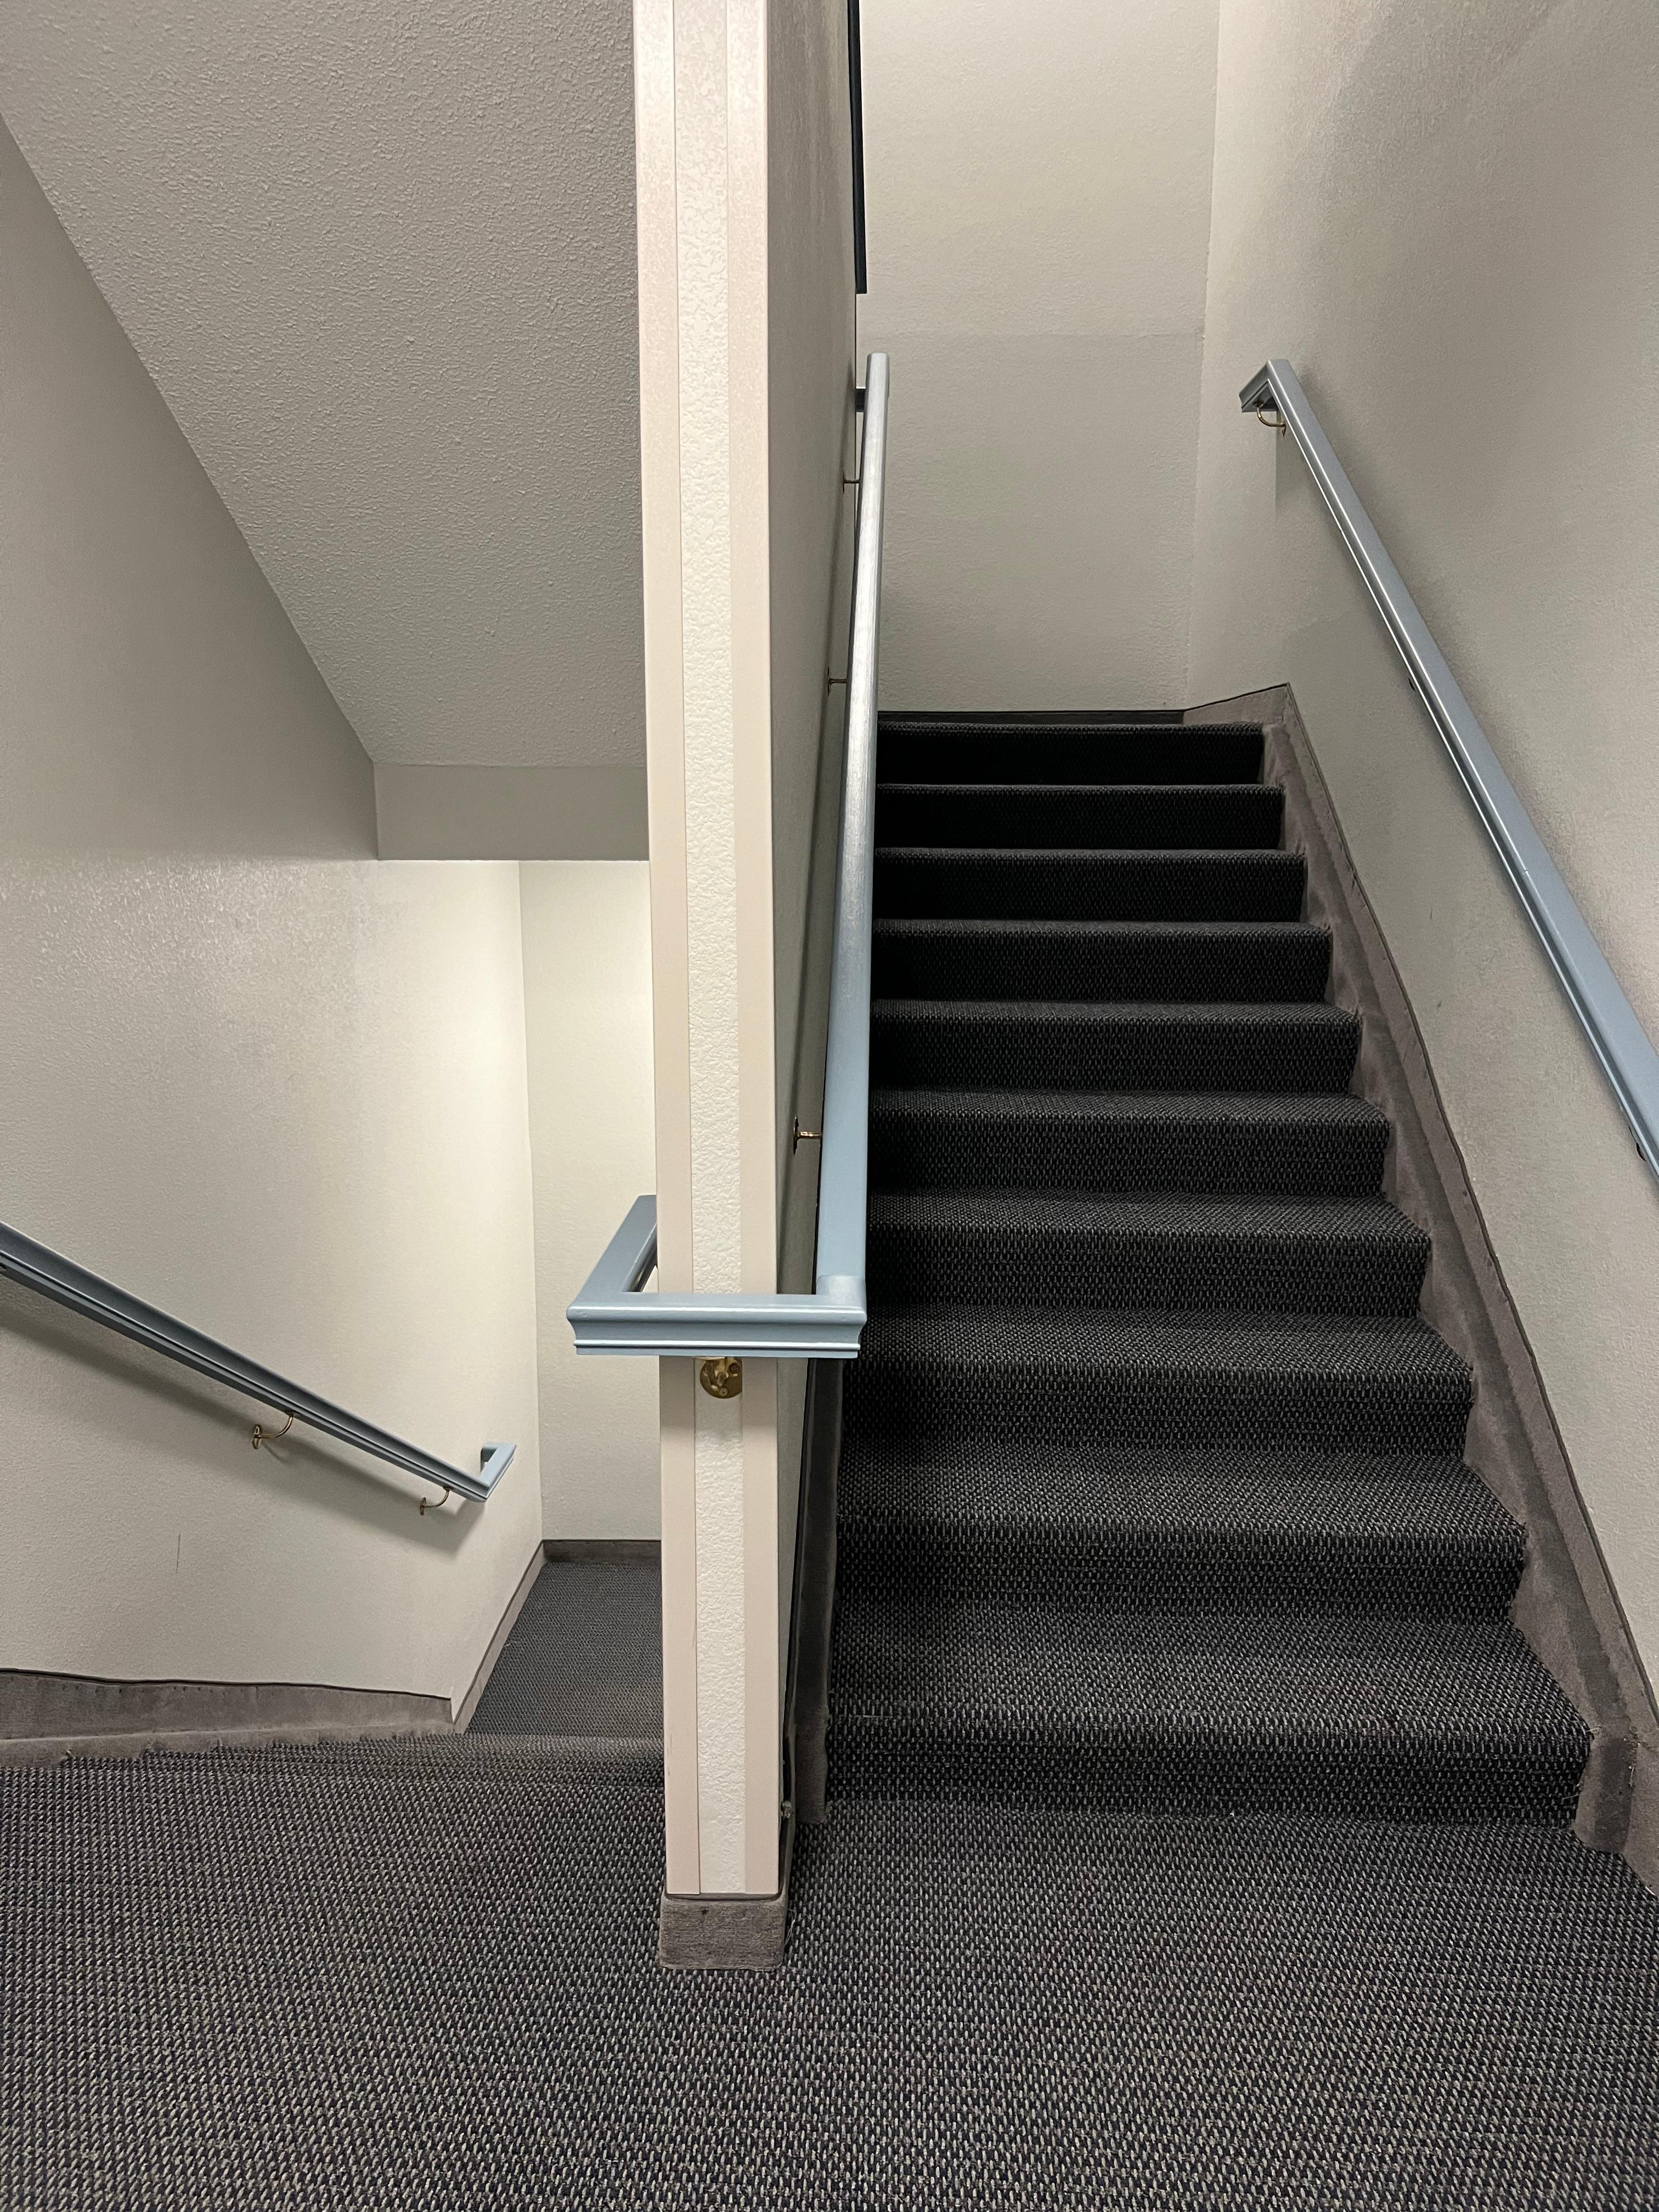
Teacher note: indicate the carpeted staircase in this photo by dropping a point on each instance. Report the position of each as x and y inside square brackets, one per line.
[1151, 1493]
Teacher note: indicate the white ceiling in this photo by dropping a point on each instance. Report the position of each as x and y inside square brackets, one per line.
[380, 261]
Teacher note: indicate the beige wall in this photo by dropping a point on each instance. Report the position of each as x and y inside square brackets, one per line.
[1038, 185]
[253, 1074]
[587, 1022]
[1444, 219]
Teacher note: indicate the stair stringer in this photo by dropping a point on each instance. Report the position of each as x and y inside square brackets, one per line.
[1566, 1607]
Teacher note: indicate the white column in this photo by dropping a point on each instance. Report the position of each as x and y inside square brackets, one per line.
[699, 69]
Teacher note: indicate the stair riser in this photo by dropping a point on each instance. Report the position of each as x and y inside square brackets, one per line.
[1209, 1571]
[1221, 964]
[910, 1406]
[1258, 886]
[1397, 1778]
[948, 1046]
[1218, 1275]
[910, 1152]
[1202, 815]
[1109, 753]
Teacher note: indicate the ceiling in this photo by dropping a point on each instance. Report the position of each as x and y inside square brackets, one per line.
[380, 262]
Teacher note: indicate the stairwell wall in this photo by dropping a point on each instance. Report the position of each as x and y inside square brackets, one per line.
[1038, 192]
[587, 1025]
[1443, 217]
[253, 1074]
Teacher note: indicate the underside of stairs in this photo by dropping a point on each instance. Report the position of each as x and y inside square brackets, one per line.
[1152, 1495]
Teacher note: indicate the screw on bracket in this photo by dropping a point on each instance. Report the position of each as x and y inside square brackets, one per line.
[721, 1378]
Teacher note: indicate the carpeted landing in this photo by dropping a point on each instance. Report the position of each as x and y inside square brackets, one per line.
[584, 1657]
[424, 1975]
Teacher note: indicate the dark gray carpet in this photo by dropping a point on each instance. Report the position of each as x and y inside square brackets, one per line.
[584, 1657]
[1140, 1317]
[424, 1976]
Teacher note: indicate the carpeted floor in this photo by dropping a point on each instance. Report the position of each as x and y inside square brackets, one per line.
[584, 1657]
[423, 1975]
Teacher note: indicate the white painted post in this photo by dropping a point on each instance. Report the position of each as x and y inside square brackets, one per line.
[701, 125]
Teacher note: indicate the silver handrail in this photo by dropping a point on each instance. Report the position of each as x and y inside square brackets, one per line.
[39, 1268]
[1610, 1021]
[612, 1312]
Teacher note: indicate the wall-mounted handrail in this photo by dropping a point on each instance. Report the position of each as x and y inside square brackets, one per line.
[38, 1268]
[613, 1312]
[1610, 1021]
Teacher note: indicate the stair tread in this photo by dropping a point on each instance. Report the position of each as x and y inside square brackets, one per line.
[1051, 961]
[1035, 929]
[1118, 816]
[1078, 881]
[1185, 1014]
[1303, 1109]
[1027, 721]
[1205, 1490]
[1127, 1044]
[1172, 1251]
[1315, 1142]
[1059, 787]
[1063, 1376]
[1203, 1529]
[1253, 860]
[1328, 1347]
[1020, 745]
[1205, 1674]
[1165, 1214]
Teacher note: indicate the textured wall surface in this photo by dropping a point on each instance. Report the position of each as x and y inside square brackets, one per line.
[587, 1027]
[700, 131]
[1444, 219]
[253, 1074]
[1039, 204]
[380, 263]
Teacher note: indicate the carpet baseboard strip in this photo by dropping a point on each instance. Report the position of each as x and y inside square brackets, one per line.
[1567, 1608]
[741, 1935]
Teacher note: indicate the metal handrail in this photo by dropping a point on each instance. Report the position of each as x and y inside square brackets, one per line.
[1610, 1021]
[38, 1268]
[612, 1312]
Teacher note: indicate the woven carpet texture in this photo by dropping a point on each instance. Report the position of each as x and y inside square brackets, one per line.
[379, 1978]
[1151, 1493]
